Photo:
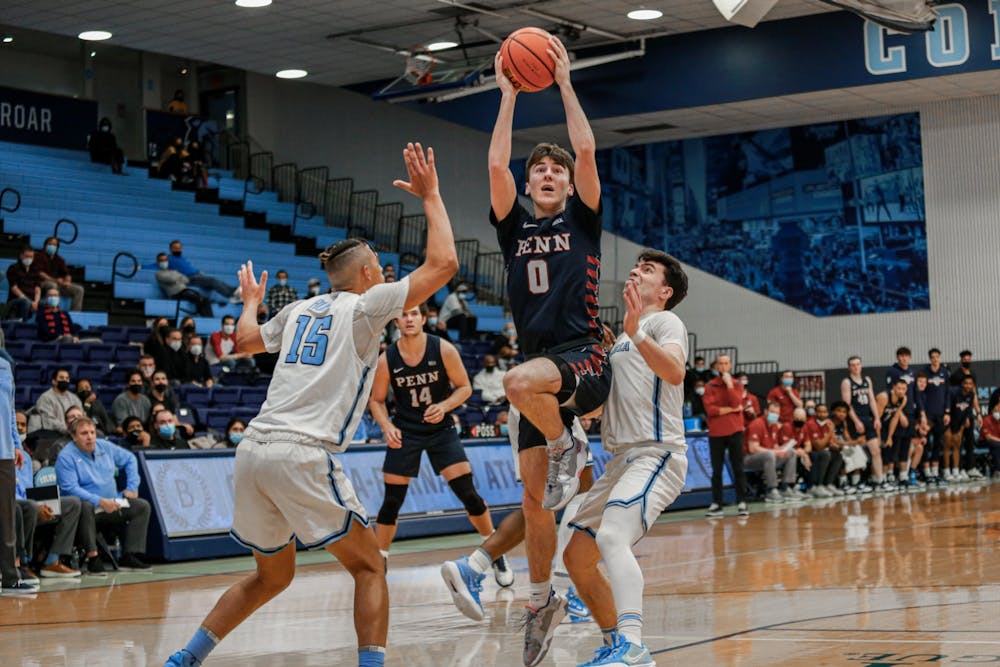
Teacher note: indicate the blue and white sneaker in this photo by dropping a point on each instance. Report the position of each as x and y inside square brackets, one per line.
[465, 585]
[181, 659]
[576, 608]
[622, 654]
[599, 656]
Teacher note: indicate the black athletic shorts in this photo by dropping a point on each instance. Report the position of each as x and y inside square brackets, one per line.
[586, 384]
[443, 448]
[871, 433]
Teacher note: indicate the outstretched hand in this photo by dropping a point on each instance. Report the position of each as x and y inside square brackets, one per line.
[561, 58]
[633, 308]
[421, 170]
[505, 84]
[252, 291]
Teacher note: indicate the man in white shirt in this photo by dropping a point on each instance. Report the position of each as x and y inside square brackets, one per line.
[490, 381]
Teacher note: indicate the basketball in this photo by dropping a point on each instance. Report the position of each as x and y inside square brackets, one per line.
[526, 61]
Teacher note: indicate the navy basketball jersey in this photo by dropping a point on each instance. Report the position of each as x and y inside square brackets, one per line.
[416, 388]
[553, 273]
[890, 409]
[860, 398]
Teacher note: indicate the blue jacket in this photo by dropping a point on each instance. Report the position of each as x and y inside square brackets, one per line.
[92, 477]
[181, 264]
[8, 424]
[24, 476]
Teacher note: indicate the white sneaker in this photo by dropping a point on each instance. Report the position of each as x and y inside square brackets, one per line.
[774, 496]
[742, 509]
[963, 476]
[563, 479]
[502, 573]
[714, 511]
[975, 474]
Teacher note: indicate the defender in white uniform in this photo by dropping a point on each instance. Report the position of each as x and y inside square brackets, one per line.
[643, 428]
[288, 482]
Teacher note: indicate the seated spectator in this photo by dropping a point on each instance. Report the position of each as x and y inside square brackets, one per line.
[86, 469]
[183, 429]
[761, 451]
[698, 401]
[502, 422]
[25, 286]
[389, 271]
[693, 374]
[434, 325]
[505, 346]
[54, 324]
[146, 368]
[280, 294]
[226, 349]
[132, 402]
[196, 164]
[50, 409]
[187, 328]
[234, 433]
[59, 549]
[172, 359]
[197, 370]
[793, 439]
[172, 160]
[52, 268]
[175, 285]
[751, 404]
[490, 382]
[160, 391]
[314, 287]
[810, 406]
[164, 432]
[455, 312]
[177, 262]
[157, 338]
[825, 455]
[46, 449]
[93, 407]
[177, 104]
[103, 147]
[851, 444]
[135, 434]
[989, 433]
[786, 395]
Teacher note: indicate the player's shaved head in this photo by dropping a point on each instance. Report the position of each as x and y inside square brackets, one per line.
[343, 261]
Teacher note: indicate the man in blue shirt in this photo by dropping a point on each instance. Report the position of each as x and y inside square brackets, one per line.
[177, 262]
[87, 471]
[10, 458]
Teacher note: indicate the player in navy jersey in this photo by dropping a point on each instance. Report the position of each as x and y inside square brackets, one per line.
[858, 392]
[553, 258]
[936, 417]
[428, 381]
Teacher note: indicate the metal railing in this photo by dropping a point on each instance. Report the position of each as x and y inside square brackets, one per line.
[757, 367]
[386, 231]
[118, 273]
[609, 315]
[17, 204]
[260, 168]
[468, 255]
[710, 353]
[491, 284]
[312, 189]
[363, 205]
[412, 238]
[337, 209]
[235, 155]
[303, 211]
[285, 179]
[73, 225]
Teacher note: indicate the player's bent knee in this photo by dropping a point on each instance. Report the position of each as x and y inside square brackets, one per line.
[580, 554]
[395, 494]
[465, 490]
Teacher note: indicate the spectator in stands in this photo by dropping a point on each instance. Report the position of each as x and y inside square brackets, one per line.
[697, 400]
[156, 341]
[196, 164]
[786, 395]
[751, 404]
[177, 262]
[502, 421]
[146, 367]
[93, 407]
[174, 285]
[989, 433]
[165, 434]
[761, 451]
[47, 448]
[389, 273]
[187, 331]
[226, 349]
[132, 402]
[455, 312]
[280, 294]
[172, 359]
[87, 470]
[25, 286]
[54, 324]
[505, 345]
[234, 433]
[50, 409]
[197, 371]
[433, 326]
[160, 391]
[314, 288]
[172, 160]
[177, 105]
[693, 374]
[964, 369]
[810, 406]
[103, 147]
[135, 434]
[490, 382]
[723, 403]
[52, 267]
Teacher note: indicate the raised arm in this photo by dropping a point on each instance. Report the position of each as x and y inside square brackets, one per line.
[503, 190]
[667, 360]
[581, 137]
[441, 261]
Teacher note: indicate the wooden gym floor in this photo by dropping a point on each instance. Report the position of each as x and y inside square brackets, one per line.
[898, 580]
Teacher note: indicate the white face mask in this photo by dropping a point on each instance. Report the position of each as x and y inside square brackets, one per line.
[175, 345]
[996, 415]
[700, 391]
[27, 261]
[228, 329]
[196, 350]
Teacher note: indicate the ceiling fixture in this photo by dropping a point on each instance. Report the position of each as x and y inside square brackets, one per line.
[7, 39]
[93, 54]
[644, 14]
[441, 46]
[94, 35]
[252, 3]
[291, 74]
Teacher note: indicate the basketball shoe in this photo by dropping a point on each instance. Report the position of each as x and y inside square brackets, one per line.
[465, 585]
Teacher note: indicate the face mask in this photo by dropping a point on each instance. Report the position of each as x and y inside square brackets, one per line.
[772, 417]
[699, 368]
[50, 249]
[432, 321]
[282, 282]
[996, 415]
[160, 387]
[196, 350]
[62, 385]
[175, 345]
[261, 318]
[163, 265]
[27, 261]
[314, 291]
[745, 381]
[235, 438]
[798, 423]
[105, 128]
[135, 388]
[147, 370]
[167, 430]
[504, 429]
[83, 395]
[715, 373]
[490, 369]
[53, 301]
[464, 296]
[509, 332]
[163, 331]
[788, 382]
[134, 435]
[811, 412]
[965, 364]
[175, 253]
[821, 421]
[188, 329]
[228, 329]
[700, 391]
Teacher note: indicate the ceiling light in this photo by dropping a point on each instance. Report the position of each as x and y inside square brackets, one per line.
[252, 3]
[441, 46]
[7, 39]
[93, 54]
[644, 14]
[94, 35]
[291, 74]
[183, 71]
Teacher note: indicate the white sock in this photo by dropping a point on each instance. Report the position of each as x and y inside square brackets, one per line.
[934, 469]
[565, 532]
[855, 478]
[630, 626]
[560, 444]
[539, 594]
[480, 561]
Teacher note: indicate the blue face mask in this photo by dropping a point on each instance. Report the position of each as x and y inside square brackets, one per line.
[50, 249]
[788, 382]
[282, 282]
[772, 417]
[52, 301]
[715, 373]
[236, 438]
[168, 430]
[504, 430]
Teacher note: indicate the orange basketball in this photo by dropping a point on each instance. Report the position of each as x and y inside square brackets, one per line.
[525, 60]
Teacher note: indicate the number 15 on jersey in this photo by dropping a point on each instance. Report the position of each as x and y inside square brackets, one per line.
[310, 341]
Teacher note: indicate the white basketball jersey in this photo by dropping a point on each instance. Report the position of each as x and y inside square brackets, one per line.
[327, 351]
[642, 408]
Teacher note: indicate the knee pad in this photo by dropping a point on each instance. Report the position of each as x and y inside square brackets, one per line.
[395, 494]
[463, 487]
[568, 387]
